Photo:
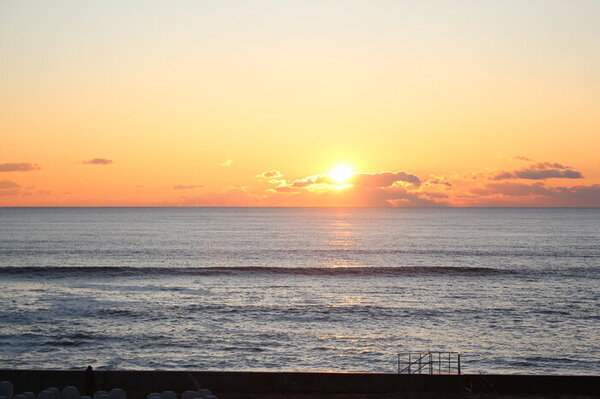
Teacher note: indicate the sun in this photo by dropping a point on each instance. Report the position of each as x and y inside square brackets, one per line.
[341, 174]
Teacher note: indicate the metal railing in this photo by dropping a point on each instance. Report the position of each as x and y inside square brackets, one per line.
[429, 363]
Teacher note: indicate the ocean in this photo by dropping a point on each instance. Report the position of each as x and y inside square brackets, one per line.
[513, 290]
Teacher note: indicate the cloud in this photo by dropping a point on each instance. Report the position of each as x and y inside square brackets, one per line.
[400, 196]
[536, 194]
[414, 200]
[98, 161]
[522, 158]
[539, 171]
[229, 196]
[520, 187]
[18, 167]
[8, 188]
[270, 174]
[547, 174]
[511, 189]
[375, 189]
[227, 163]
[309, 181]
[438, 181]
[357, 181]
[577, 196]
[384, 179]
[187, 187]
[272, 177]
[529, 184]
[7, 184]
[285, 189]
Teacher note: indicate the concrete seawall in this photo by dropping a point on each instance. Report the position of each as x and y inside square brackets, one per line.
[233, 384]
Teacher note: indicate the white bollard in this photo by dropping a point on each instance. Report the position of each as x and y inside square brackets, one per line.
[70, 392]
[6, 389]
[190, 395]
[45, 395]
[117, 393]
[101, 395]
[55, 391]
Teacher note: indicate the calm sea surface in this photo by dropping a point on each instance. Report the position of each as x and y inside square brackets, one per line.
[514, 290]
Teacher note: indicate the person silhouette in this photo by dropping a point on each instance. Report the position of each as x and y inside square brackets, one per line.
[89, 385]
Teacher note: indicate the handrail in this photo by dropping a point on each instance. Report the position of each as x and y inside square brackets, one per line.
[414, 362]
[449, 363]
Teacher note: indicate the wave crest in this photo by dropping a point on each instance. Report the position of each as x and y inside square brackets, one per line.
[108, 271]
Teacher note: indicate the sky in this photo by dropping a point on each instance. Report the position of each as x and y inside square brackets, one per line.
[264, 103]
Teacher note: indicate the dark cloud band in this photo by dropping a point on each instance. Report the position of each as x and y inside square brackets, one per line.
[18, 167]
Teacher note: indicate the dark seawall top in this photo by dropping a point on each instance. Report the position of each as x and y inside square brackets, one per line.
[230, 384]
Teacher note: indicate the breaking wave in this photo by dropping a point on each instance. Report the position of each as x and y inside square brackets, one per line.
[108, 271]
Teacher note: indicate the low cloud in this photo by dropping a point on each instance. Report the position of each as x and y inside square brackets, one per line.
[577, 196]
[415, 200]
[529, 184]
[539, 171]
[522, 158]
[18, 167]
[8, 188]
[98, 161]
[7, 184]
[536, 194]
[227, 163]
[187, 187]
[525, 186]
[384, 179]
[229, 196]
[438, 181]
[373, 180]
[375, 189]
[270, 174]
[309, 181]
[285, 189]
[511, 189]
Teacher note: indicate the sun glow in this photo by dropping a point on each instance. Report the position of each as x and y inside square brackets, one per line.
[341, 174]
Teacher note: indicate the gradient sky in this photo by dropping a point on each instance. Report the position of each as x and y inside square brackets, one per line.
[253, 103]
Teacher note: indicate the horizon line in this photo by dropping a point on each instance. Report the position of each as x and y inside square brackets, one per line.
[298, 207]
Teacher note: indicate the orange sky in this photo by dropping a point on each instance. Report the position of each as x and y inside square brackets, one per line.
[213, 103]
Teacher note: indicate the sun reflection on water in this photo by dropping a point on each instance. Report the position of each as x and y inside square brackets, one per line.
[341, 240]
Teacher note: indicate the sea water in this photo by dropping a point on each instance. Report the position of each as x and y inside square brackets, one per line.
[512, 290]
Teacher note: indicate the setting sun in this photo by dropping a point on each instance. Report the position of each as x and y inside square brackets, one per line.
[304, 191]
[341, 174]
